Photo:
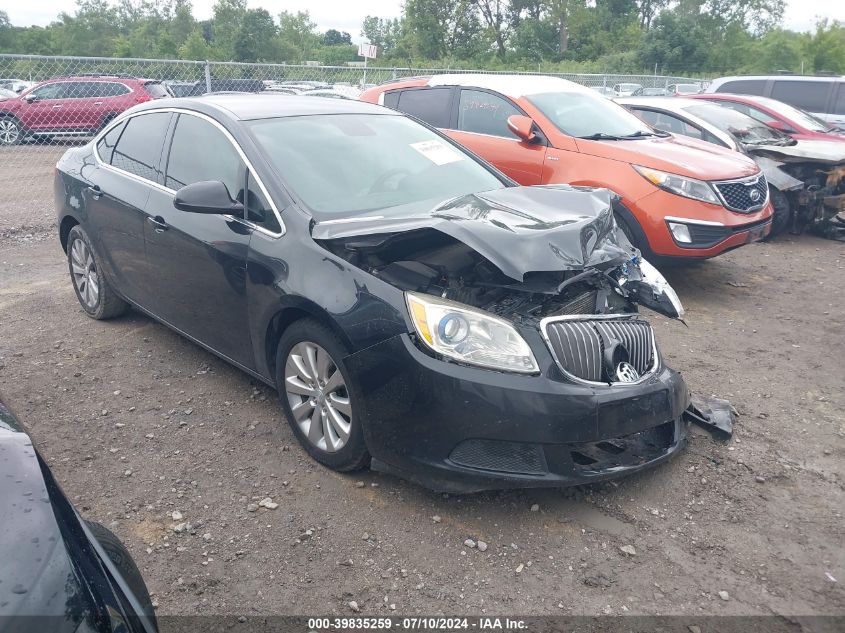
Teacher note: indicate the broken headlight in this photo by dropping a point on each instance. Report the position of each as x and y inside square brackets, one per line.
[469, 336]
[679, 185]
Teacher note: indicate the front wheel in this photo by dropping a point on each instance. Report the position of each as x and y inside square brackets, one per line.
[96, 296]
[315, 393]
[11, 131]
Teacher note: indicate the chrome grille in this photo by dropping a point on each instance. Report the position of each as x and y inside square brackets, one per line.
[578, 344]
[737, 194]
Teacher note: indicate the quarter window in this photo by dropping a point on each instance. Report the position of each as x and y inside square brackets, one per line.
[105, 146]
[485, 113]
[807, 95]
[258, 208]
[432, 105]
[200, 151]
[139, 149]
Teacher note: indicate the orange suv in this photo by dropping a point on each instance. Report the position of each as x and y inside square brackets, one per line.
[679, 197]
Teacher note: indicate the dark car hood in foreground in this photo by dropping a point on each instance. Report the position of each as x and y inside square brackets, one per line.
[519, 229]
[37, 575]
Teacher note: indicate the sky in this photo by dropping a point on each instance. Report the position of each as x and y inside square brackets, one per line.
[347, 16]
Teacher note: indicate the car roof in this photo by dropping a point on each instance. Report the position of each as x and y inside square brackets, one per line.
[670, 104]
[722, 80]
[265, 105]
[514, 86]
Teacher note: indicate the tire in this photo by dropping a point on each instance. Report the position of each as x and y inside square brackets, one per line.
[11, 131]
[120, 557]
[94, 292]
[319, 416]
[782, 217]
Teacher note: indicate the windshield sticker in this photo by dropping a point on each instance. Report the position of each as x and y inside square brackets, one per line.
[437, 152]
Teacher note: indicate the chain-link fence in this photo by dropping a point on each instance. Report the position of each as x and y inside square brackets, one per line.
[50, 103]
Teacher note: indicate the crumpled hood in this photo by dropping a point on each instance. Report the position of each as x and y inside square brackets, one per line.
[816, 150]
[519, 229]
[675, 154]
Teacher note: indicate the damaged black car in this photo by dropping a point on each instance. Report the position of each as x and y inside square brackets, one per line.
[415, 309]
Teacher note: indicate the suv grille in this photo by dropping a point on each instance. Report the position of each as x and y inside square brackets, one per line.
[578, 345]
[746, 195]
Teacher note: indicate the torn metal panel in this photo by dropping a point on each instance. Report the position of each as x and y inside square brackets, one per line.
[712, 414]
[776, 177]
[519, 229]
[818, 151]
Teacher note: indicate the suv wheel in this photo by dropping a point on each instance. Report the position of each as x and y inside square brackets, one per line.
[11, 132]
[95, 294]
[314, 389]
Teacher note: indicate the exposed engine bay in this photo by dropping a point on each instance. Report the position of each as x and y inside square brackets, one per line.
[431, 262]
[811, 178]
[519, 253]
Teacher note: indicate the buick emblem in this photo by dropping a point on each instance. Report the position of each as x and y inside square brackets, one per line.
[625, 372]
[754, 195]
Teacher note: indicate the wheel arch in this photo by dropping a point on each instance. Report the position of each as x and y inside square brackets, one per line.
[288, 315]
[65, 226]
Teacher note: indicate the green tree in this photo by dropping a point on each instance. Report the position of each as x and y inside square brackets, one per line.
[333, 37]
[227, 17]
[256, 37]
[196, 47]
[298, 33]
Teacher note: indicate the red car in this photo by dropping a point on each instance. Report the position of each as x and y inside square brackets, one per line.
[776, 114]
[72, 106]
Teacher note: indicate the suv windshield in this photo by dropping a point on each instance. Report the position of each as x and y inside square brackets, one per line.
[587, 115]
[361, 162]
[747, 131]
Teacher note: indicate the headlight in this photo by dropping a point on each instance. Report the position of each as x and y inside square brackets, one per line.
[679, 185]
[469, 336]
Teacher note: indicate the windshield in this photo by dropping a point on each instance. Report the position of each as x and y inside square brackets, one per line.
[343, 164]
[800, 117]
[747, 131]
[587, 115]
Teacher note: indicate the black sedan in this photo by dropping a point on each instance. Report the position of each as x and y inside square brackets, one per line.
[59, 572]
[416, 310]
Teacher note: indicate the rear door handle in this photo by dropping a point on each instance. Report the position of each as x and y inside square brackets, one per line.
[98, 103]
[95, 191]
[57, 106]
[158, 222]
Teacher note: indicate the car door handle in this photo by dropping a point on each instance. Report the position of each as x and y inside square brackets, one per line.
[98, 103]
[95, 191]
[57, 106]
[159, 223]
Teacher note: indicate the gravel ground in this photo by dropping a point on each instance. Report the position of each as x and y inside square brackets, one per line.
[174, 449]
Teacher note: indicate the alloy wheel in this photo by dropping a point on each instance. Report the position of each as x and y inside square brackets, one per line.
[10, 132]
[318, 396]
[85, 273]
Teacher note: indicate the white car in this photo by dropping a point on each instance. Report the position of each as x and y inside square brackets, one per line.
[627, 90]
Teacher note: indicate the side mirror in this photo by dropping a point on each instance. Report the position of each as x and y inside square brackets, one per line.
[208, 196]
[523, 127]
[30, 98]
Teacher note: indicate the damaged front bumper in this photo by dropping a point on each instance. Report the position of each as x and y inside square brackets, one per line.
[455, 428]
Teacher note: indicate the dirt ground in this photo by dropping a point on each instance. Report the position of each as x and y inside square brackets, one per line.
[138, 424]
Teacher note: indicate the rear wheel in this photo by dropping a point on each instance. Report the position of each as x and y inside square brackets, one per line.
[95, 294]
[11, 131]
[313, 385]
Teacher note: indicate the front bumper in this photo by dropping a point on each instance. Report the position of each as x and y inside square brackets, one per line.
[714, 229]
[454, 428]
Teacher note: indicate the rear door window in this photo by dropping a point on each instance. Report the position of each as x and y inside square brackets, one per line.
[744, 87]
[110, 89]
[808, 95]
[432, 105]
[485, 113]
[138, 151]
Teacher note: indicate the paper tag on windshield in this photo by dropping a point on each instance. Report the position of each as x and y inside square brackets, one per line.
[437, 152]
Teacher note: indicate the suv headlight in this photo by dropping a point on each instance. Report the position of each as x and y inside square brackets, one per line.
[679, 185]
[469, 336]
